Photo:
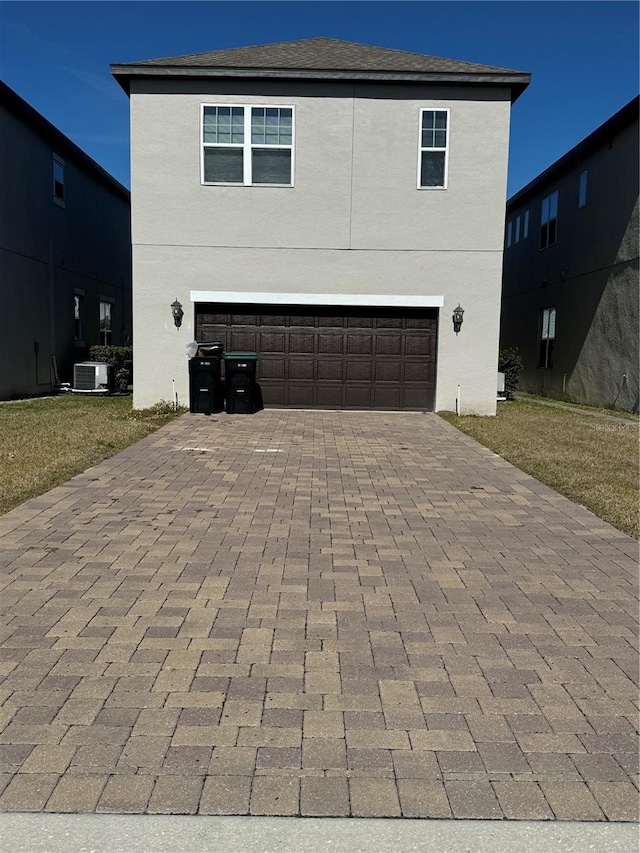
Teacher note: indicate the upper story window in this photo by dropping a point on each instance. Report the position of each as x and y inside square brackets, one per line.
[434, 149]
[247, 146]
[518, 226]
[582, 189]
[549, 220]
[525, 225]
[509, 233]
[58, 180]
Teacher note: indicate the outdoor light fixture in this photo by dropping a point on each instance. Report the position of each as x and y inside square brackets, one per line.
[177, 312]
[457, 318]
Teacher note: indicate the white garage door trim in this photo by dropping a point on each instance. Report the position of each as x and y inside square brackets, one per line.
[248, 297]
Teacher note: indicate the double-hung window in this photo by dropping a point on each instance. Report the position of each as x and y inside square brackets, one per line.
[547, 337]
[247, 145]
[434, 149]
[549, 220]
[106, 329]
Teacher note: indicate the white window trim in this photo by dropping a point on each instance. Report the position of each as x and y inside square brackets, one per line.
[60, 161]
[247, 145]
[582, 197]
[446, 110]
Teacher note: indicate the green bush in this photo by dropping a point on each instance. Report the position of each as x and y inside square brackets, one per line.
[121, 360]
[510, 363]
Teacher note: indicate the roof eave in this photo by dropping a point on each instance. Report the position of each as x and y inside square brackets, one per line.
[618, 121]
[517, 82]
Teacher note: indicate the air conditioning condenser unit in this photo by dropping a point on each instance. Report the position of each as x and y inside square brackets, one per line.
[91, 376]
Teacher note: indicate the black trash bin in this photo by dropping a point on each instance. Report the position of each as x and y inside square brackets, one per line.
[242, 392]
[206, 391]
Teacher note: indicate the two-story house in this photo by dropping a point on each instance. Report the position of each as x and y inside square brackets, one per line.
[65, 252]
[328, 205]
[570, 290]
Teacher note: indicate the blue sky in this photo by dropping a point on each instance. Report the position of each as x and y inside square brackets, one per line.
[583, 57]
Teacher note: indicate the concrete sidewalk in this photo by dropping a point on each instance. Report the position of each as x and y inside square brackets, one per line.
[321, 614]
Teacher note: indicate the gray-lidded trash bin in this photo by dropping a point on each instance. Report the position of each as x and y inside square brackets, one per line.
[206, 390]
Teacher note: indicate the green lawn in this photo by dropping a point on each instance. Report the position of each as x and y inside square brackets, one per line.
[46, 441]
[593, 461]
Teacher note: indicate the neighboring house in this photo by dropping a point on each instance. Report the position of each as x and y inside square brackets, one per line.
[65, 253]
[570, 288]
[328, 205]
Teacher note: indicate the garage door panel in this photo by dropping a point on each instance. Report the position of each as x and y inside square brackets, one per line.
[388, 344]
[301, 342]
[359, 370]
[330, 369]
[243, 342]
[417, 345]
[271, 368]
[360, 344]
[328, 343]
[301, 368]
[330, 397]
[368, 357]
[272, 342]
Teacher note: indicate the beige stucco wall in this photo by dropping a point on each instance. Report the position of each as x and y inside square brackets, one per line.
[354, 222]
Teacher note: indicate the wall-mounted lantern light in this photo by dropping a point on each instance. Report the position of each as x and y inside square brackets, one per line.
[457, 318]
[177, 313]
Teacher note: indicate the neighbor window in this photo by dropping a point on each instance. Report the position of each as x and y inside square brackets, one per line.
[509, 234]
[547, 337]
[516, 238]
[247, 145]
[78, 306]
[434, 149]
[549, 220]
[58, 180]
[582, 189]
[105, 323]
[525, 225]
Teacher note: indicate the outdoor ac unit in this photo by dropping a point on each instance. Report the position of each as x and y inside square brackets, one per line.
[90, 376]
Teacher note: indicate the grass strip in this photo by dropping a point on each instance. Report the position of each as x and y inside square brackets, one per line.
[46, 441]
[589, 460]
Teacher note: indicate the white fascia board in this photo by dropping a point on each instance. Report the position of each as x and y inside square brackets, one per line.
[383, 300]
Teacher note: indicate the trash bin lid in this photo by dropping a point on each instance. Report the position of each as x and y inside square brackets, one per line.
[245, 356]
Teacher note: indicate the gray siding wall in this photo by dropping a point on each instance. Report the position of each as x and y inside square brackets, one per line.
[354, 222]
[48, 252]
[590, 276]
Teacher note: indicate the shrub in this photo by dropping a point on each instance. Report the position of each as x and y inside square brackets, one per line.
[120, 358]
[510, 363]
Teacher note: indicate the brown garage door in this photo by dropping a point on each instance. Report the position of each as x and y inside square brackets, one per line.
[334, 358]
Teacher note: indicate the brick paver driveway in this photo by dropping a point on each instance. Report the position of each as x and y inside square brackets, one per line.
[316, 613]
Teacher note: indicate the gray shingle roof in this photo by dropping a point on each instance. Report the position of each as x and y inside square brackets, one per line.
[324, 59]
[324, 54]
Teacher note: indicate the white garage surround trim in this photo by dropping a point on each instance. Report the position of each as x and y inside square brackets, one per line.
[247, 297]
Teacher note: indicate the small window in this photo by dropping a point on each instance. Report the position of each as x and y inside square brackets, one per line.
[516, 238]
[105, 323]
[247, 146]
[525, 225]
[58, 180]
[78, 311]
[434, 149]
[549, 220]
[547, 337]
[509, 234]
[582, 189]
